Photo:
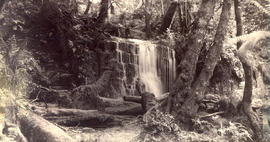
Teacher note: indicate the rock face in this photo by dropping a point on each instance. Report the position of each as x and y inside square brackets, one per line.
[123, 79]
[127, 72]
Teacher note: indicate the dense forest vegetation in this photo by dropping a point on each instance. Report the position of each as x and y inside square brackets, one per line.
[134, 70]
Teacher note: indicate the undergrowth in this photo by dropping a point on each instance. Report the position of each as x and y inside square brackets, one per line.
[15, 64]
[161, 127]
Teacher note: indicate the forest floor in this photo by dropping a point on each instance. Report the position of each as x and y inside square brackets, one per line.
[134, 129]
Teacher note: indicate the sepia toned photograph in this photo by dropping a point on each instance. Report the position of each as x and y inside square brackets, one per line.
[134, 70]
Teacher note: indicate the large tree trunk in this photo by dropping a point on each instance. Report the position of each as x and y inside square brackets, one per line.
[21, 125]
[88, 118]
[168, 18]
[190, 106]
[247, 97]
[187, 66]
[9, 124]
[93, 119]
[37, 129]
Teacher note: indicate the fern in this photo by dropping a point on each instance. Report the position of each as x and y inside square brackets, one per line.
[236, 131]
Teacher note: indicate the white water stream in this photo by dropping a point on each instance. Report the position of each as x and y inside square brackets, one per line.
[148, 68]
[154, 72]
[156, 67]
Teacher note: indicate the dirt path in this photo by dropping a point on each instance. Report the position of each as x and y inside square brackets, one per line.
[127, 133]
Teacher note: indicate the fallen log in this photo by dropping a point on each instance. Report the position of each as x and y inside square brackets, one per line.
[111, 106]
[21, 125]
[37, 129]
[109, 102]
[147, 100]
[136, 99]
[129, 108]
[67, 112]
[93, 118]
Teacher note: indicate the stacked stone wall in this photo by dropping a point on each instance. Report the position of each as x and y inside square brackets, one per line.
[126, 74]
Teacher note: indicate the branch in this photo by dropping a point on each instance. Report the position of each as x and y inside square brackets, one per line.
[140, 4]
[2, 2]
[45, 88]
[212, 114]
[254, 35]
[259, 6]
[87, 7]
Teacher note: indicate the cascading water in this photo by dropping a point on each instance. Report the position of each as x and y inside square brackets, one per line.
[148, 68]
[171, 69]
[156, 67]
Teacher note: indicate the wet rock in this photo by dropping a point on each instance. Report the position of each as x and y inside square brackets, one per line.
[131, 72]
[131, 48]
[122, 46]
[117, 88]
[119, 71]
[133, 59]
[126, 51]
[125, 57]
[111, 45]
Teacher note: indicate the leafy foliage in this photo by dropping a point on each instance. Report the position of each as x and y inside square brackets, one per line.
[161, 122]
[163, 127]
[235, 131]
[17, 63]
[252, 9]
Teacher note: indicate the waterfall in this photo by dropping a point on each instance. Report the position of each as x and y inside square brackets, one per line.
[156, 67]
[172, 69]
[148, 68]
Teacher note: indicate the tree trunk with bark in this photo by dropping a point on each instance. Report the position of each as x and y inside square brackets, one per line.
[147, 19]
[185, 16]
[2, 2]
[94, 119]
[247, 100]
[37, 129]
[162, 7]
[187, 66]
[87, 7]
[168, 18]
[248, 90]
[196, 94]
[239, 29]
[104, 11]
